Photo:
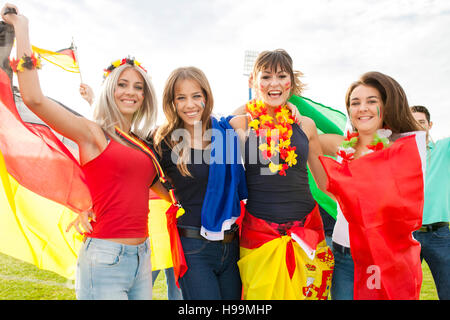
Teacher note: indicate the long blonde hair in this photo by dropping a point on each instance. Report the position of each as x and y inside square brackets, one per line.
[173, 121]
[108, 115]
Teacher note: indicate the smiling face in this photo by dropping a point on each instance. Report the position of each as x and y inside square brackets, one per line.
[273, 87]
[365, 109]
[189, 101]
[129, 93]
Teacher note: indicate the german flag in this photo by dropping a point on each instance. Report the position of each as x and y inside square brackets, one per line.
[41, 190]
[64, 58]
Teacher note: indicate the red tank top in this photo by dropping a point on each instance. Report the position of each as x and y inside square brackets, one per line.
[119, 180]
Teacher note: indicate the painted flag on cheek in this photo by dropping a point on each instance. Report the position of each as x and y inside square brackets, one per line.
[381, 196]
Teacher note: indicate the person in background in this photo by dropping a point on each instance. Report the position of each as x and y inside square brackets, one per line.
[434, 235]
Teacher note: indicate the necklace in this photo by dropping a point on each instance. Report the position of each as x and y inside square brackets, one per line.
[346, 151]
[276, 137]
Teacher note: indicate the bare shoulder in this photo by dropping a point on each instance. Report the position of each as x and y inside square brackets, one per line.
[239, 122]
[94, 136]
[308, 126]
[330, 143]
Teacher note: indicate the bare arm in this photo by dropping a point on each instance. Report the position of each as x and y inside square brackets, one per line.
[315, 150]
[330, 143]
[159, 189]
[76, 128]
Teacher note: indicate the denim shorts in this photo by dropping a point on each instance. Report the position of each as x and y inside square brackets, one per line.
[108, 270]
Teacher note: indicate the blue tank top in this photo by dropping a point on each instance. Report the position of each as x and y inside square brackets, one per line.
[276, 198]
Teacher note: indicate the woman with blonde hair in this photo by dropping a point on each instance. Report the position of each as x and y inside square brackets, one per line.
[114, 261]
[202, 162]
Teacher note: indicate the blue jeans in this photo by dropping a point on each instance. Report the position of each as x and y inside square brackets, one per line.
[212, 272]
[343, 277]
[436, 252]
[108, 270]
[173, 292]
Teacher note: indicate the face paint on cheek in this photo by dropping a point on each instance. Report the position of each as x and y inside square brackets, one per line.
[378, 111]
[288, 85]
[203, 105]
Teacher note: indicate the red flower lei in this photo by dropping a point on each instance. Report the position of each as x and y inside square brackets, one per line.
[277, 136]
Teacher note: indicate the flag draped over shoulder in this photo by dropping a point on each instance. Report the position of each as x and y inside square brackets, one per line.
[65, 58]
[381, 196]
[327, 120]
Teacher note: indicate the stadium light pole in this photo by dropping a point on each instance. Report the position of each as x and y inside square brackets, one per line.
[249, 60]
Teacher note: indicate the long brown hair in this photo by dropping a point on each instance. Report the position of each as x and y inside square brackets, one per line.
[396, 113]
[173, 121]
[279, 58]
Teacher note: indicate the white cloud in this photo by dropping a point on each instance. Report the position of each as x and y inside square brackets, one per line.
[332, 42]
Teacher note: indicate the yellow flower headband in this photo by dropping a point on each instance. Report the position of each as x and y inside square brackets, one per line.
[118, 63]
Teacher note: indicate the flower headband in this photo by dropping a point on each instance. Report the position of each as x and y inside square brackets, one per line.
[119, 63]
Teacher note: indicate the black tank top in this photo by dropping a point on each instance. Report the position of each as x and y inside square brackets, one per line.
[276, 198]
[190, 191]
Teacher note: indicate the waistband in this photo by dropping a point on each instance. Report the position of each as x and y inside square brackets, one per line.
[433, 227]
[341, 249]
[123, 248]
[194, 233]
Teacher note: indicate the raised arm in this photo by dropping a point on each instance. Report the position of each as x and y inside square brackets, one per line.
[330, 143]
[76, 128]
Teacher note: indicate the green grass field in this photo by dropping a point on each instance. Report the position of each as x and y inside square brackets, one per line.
[23, 281]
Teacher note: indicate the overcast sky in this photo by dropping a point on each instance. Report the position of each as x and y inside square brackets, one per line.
[331, 41]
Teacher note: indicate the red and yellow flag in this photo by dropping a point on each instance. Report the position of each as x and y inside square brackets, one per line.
[64, 58]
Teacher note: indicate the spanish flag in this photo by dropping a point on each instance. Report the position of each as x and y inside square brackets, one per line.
[64, 58]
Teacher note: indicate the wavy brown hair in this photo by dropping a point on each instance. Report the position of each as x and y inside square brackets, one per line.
[279, 58]
[173, 121]
[396, 113]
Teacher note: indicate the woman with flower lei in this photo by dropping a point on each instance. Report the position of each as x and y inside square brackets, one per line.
[377, 183]
[282, 220]
[112, 166]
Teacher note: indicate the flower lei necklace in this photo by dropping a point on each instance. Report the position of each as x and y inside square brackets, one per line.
[346, 150]
[277, 136]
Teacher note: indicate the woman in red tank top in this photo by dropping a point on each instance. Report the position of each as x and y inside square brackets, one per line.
[114, 262]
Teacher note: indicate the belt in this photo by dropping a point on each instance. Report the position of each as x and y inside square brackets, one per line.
[344, 250]
[228, 236]
[433, 227]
